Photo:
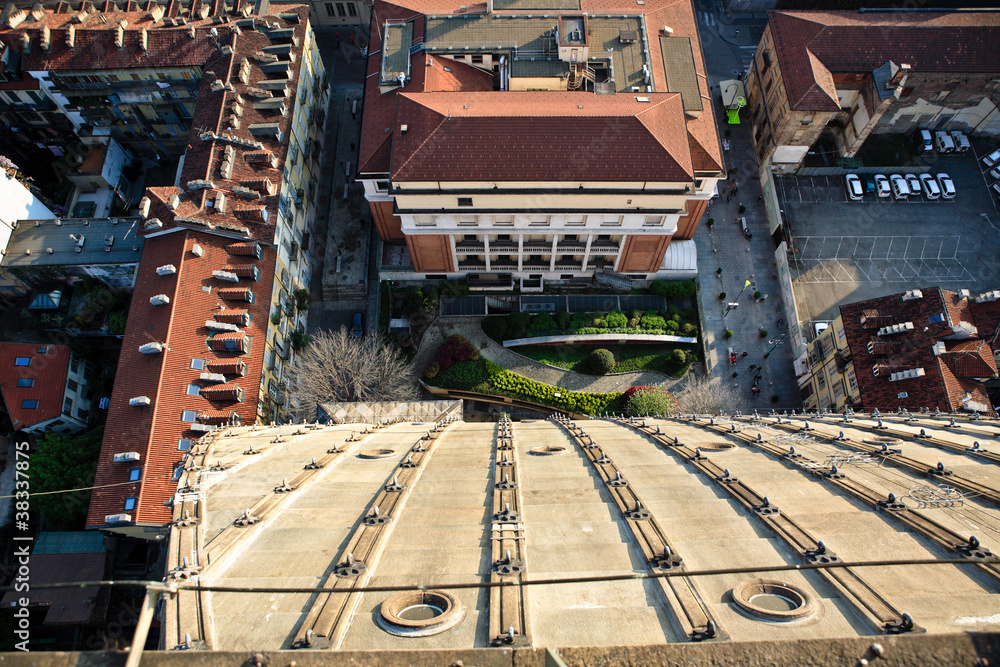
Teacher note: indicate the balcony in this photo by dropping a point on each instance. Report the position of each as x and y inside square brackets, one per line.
[843, 358]
[569, 265]
[470, 246]
[471, 265]
[503, 265]
[490, 281]
[537, 245]
[537, 264]
[604, 246]
[508, 246]
[571, 246]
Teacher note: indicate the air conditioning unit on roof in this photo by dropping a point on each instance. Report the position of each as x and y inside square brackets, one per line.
[126, 457]
[118, 518]
[166, 270]
[151, 348]
[139, 401]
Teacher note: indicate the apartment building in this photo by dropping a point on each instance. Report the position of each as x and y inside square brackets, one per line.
[213, 312]
[511, 145]
[44, 388]
[929, 348]
[839, 76]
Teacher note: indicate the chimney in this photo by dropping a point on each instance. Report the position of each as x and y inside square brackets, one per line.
[120, 34]
[489, 6]
[144, 40]
[71, 36]
[26, 42]
[46, 39]
[155, 13]
[897, 78]
[16, 19]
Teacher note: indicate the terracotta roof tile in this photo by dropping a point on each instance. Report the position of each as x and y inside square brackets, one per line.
[47, 370]
[810, 45]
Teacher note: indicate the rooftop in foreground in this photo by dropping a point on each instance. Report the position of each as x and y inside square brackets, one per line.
[466, 504]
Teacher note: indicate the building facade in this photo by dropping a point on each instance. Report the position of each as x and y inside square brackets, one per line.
[825, 373]
[838, 77]
[504, 145]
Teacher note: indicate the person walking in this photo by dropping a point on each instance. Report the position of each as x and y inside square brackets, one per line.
[744, 353]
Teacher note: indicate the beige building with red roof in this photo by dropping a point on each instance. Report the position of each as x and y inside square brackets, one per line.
[514, 143]
[214, 313]
[842, 75]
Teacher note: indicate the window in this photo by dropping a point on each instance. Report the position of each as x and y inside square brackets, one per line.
[653, 221]
[821, 380]
[852, 381]
[198, 364]
[178, 471]
[193, 390]
[26, 382]
[189, 416]
[615, 221]
[74, 364]
[130, 503]
[41, 350]
[329, 9]
[29, 404]
[134, 474]
[477, 60]
[467, 222]
[841, 334]
[465, 201]
[503, 221]
[540, 222]
[68, 406]
[82, 414]
[184, 444]
[72, 385]
[351, 9]
[424, 220]
[934, 319]
[22, 361]
[382, 186]
[578, 222]
[340, 9]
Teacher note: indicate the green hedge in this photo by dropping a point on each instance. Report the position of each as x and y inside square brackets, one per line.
[484, 377]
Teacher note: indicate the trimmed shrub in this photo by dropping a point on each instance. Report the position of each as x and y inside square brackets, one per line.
[652, 321]
[722, 296]
[562, 319]
[616, 320]
[432, 370]
[729, 333]
[678, 289]
[580, 320]
[413, 300]
[650, 401]
[689, 329]
[774, 399]
[601, 361]
[494, 327]
[455, 348]
[679, 357]
[763, 333]
[743, 209]
[671, 311]
[543, 322]
[517, 325]
[756, 294]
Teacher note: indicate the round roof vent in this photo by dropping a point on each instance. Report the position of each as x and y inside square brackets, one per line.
[774, 600]
[420, 613]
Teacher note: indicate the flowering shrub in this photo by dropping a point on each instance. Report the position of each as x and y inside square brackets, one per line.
[455, 348]
[645, 400]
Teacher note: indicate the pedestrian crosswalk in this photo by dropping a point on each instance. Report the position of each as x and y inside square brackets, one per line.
[707, 19]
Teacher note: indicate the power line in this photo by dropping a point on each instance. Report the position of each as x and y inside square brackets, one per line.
[197, 587]
[89, 488]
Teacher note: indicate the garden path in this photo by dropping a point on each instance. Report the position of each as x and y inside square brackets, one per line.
[529, 368]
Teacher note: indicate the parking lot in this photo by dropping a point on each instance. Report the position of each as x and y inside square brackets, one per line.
[845, 250]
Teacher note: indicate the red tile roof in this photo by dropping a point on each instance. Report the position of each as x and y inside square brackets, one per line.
[461, 77]
[813, 45]
[380, 126]
[154, 431]
[949, 380]
[47, 369]
[539, 136]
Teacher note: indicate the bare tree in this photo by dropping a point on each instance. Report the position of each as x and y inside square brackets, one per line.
[702, 395]
[340, 367]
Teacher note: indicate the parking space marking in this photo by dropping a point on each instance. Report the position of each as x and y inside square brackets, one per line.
[841, 259]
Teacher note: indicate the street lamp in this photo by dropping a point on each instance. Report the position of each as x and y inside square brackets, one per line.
[779, 341]
[736, 300]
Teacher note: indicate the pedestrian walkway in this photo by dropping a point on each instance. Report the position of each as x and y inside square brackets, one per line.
[557, 377]
[724, 246]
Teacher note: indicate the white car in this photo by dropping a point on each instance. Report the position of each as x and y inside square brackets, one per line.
[995, 173]
[947, 186]
[930, 186]
[913, 183]
[899, 189]
[855, 190]
[882, 185]
[992, 158]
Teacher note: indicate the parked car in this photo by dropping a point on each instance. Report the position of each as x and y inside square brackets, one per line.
[996, 189]
[855, 190]
[947, 186]
[944, 143]
[961, 141]
[358, 328]
[924, 141]
[913, 183]
[899, 189]
[930, 186]
[882, 184]
[995, 174]
[992, 158]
